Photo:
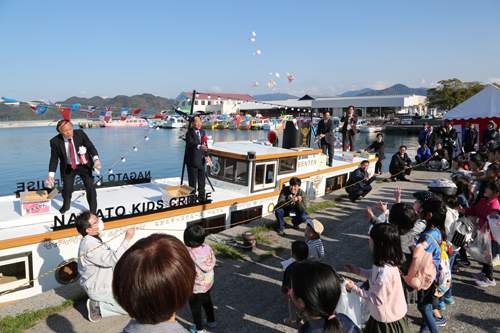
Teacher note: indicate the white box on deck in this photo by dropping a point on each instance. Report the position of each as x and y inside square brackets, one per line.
[36, 202]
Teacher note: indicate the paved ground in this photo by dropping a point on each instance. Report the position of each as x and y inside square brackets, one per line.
[247, 294]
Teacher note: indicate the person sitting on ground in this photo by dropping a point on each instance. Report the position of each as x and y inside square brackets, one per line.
[400, 165]
[440, 158]
[385, 297]
[359, 182]
[96, 266]
[423, 154]
[300, 252]
[379, 148]
[204, 260]
[296, 208]
[313, 231]
[152, 281]
[316, 290]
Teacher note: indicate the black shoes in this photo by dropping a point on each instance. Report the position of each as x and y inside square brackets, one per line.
[405, 179]
[393, 179]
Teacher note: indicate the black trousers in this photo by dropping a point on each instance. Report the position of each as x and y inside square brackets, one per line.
[68, 177]
[327, 147]
[195, 303]
[450, 150]
[348, 136]
[379, 166]
[402, 175]
[196, 178]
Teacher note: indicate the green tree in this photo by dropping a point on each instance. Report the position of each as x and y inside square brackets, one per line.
[450, 93]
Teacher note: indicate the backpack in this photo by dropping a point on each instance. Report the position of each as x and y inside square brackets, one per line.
[444, 281]
[422, 271]
[463, 232]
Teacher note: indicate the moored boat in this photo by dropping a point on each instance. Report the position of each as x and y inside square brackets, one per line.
[129, 122]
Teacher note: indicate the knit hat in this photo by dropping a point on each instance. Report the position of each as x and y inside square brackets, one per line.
[423, 196]
[316, 225]
[444, 186]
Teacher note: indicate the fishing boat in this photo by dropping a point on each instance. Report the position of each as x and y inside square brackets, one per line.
[246, 176]
[240, 123]
[129, 122]
[174, 122]
[277, 123]
[258, 124]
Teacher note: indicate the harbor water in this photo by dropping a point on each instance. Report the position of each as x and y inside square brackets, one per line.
[26, 151]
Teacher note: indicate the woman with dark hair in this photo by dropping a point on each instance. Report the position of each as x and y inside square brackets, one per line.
[316, 290]
[152, 281]
[434, 214]
[385, 297]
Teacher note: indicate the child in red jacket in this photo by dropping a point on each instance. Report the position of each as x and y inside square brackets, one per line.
[479, 213]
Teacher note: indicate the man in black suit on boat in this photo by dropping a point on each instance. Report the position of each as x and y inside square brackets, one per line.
[77, 156]
[196, 151]
[325, 133]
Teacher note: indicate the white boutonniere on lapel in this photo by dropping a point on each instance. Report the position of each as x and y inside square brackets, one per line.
[82, 150]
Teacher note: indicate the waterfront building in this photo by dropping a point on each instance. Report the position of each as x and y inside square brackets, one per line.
[218, 103]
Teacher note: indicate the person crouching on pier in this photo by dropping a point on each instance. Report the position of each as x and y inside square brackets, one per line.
[296, 208]
[359, 182]
[400, 165]
[96, 266]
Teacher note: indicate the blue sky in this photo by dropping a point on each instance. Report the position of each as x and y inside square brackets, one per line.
[58, 49]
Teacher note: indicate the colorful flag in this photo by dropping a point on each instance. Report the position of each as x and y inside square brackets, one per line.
[66, 112]
[54, 104]
[74, 107]
[9, 100]
[144, 116]
[136, 111]
[12, 104]
[109, 109]
[125, 110]
[124, 114]
[41, 109]
[32, 106]
[164, 111]
[90, 112]
[102, 115]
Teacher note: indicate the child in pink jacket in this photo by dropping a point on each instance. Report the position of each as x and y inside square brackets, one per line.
[479, 212]
[385, 298]
[204, 260]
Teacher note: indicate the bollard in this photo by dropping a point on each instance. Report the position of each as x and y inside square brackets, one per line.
[249, 243]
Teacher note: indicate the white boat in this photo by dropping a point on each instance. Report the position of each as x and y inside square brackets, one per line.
[371, 129]
[247, 177]
[129, 122]
[174, 122]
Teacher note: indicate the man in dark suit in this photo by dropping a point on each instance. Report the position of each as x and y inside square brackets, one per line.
[325, 133]
[349, 129]
[77, 156]
[430, 139]
[196, 151]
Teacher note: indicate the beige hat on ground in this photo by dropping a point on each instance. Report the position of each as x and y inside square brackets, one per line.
[316, 225]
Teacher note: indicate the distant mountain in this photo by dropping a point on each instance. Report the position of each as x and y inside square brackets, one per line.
[397, 89]
[144, 101]
[355, 92]
[274, 97]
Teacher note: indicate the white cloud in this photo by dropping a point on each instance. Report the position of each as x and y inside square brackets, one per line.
[104, 97]
[82, 92]
[378, 85]
[423, 82]
[493, 80]
[42, 100]
[215, 88]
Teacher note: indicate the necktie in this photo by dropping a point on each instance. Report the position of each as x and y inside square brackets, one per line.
[199, 136]
[72, 152]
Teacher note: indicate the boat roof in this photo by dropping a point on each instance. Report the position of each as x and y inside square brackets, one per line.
[261, 148]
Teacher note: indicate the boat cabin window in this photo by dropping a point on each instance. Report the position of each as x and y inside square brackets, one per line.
[335, 183]
[229, 169]
[16, 270]
[210, 223]
[288, 165]
[264, 175]
[245, 214]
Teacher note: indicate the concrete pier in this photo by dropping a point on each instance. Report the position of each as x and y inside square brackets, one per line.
[27, 123]
[257, 280]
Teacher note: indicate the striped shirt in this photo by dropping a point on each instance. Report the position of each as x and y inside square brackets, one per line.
[316, 249]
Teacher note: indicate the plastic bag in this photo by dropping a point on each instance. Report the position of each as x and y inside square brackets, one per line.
[495, 228]
[480, 249]
[353, 306]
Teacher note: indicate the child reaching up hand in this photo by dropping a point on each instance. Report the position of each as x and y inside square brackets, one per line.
[386, 299]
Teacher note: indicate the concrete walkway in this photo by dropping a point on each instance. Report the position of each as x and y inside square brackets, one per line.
[247, 294]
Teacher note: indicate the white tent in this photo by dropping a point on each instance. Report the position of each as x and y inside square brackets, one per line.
[484, 104]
